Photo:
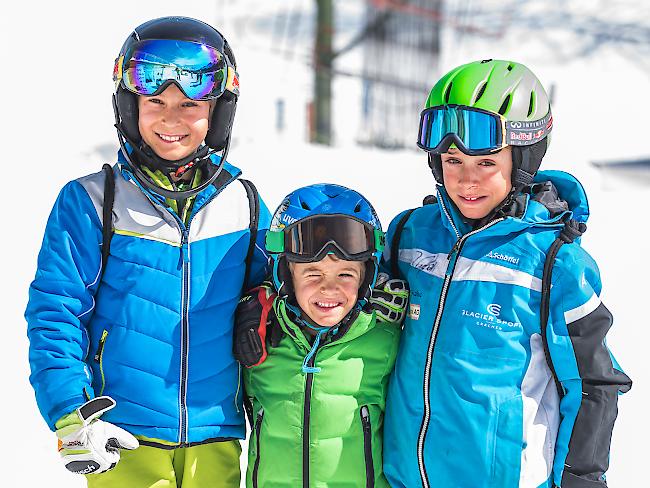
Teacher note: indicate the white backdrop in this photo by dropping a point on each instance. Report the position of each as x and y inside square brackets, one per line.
[57, 60]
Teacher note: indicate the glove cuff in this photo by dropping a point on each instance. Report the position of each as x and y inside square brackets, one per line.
[95, 408]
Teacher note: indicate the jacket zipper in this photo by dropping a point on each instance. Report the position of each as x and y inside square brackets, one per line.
[367, 446]
[185, 320]
[451, 267]
[99, 358]
[258, 429]
[185, 334]
[306, 422]
[185, 291]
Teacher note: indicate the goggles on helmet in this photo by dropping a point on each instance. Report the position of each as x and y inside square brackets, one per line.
[475, 131]
[312, 238]
[200, 71]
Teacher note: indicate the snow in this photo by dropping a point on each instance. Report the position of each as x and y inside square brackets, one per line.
[57, 62]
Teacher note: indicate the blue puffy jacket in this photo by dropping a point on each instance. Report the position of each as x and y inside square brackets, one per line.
[472, 402]
[155, 333]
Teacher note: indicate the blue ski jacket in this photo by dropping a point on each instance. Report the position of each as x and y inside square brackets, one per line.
[154, 332]
[472, 402]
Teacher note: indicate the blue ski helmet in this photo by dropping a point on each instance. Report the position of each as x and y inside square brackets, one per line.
[322, 219]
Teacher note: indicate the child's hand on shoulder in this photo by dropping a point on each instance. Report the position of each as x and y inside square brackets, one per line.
[255, 325]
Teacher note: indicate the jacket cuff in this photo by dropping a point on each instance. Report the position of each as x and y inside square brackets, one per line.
[570, 480]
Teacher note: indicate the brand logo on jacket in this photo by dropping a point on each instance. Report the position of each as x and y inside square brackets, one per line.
[491, 319]
[503, 257]
[414, 311]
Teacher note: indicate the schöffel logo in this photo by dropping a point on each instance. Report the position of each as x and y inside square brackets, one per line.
[503, 257]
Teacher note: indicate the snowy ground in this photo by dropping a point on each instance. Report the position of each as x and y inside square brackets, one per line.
[57, 61]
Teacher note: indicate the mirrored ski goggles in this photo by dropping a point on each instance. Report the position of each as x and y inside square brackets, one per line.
[475, 131]
[200, 71]
[311, 239]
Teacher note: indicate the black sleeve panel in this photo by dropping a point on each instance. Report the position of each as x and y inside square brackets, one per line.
[588, 456]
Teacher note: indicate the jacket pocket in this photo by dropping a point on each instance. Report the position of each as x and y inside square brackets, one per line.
[99, 358]
[258, 430]
[367, 446]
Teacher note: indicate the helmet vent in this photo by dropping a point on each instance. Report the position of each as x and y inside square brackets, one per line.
[509, 68]
[504, 105]
[448, 92]
[480, 92]
[531, 105]
[357, 208]
[304, 205]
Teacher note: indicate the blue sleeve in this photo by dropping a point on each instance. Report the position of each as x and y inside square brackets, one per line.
[591, 378]
[61, 303]
[260, 262]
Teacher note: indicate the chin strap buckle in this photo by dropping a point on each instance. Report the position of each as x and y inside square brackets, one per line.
[181, 171]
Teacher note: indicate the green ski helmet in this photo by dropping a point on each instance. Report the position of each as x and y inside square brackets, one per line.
[506, 88]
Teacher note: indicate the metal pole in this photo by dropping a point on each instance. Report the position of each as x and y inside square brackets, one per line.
[322, 133]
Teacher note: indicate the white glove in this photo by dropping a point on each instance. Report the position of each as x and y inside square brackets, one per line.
[89, 445]
[389, 299]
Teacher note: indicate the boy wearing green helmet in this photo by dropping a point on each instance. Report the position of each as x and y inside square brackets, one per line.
[503, 378]
[317, 358]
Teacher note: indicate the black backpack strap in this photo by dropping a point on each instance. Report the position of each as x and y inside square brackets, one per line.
[394, 243]
[254, 206]
[572, 230]
[107, 213]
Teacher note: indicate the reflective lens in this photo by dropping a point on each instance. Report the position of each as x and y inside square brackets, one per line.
[475, 131]
[199, 70]
[309, 238]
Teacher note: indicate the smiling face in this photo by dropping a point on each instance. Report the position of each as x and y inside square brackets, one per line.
[172, 124]
[477, 184]
[328, 289]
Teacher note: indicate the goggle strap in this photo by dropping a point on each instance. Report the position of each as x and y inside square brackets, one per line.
[380, 240]
[274, 241]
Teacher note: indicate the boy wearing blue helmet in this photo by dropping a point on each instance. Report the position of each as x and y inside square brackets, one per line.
[318, 389]
[130, 315]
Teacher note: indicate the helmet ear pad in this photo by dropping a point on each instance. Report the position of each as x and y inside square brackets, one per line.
[221, 121]
[126, 104]
[435, 163]
[526, 161]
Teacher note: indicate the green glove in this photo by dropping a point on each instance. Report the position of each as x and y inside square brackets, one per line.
[89, 445]
[389, 299]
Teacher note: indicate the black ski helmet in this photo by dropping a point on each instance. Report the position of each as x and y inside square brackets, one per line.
[125, 103]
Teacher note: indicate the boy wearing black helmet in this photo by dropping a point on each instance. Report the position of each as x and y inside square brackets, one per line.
[140, 271]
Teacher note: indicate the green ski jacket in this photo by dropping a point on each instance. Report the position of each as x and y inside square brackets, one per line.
[322, 428]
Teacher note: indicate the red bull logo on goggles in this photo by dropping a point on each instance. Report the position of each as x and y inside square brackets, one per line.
[475, 131]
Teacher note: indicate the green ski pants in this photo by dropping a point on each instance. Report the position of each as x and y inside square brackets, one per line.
[203, 466]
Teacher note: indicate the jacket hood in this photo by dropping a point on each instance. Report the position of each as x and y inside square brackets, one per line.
[553, 198]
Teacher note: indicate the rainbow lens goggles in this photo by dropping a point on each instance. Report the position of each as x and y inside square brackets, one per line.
[200, 71]
[475, 131]
[312, 238]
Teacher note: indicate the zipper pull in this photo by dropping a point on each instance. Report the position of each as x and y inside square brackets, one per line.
[365, 418]
[454, 249]
[100, 347]
[185, 252]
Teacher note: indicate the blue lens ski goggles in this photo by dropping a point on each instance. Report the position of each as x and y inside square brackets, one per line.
[476, 131]
[311, 239]
[200, 71]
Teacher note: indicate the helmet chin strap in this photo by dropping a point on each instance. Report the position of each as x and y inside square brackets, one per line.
[199, 158]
